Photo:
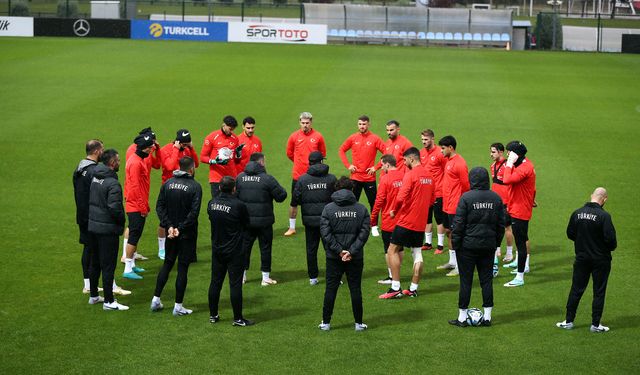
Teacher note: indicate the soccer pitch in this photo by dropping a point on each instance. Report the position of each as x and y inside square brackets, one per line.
[578, 114]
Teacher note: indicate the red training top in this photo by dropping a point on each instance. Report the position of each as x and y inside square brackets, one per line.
[212, 144]
[397, 147]
[171, 156]
[522, 192]
[299, 146]
[388, 189]
[435, 162]
[252, 145]
[364, 148]
[454, 183]
[415, 197]
[137, 182]
[153, 161]
[497, 173]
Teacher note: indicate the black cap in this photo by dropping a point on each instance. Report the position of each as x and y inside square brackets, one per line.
[315, 157]
[183, 136]
[148, 130]
[518, 147]
[143, 141]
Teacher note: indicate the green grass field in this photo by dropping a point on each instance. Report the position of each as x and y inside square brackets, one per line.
[578, 113]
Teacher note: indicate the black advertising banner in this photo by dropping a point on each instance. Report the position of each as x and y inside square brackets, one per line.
[82, 27]
[630, 43]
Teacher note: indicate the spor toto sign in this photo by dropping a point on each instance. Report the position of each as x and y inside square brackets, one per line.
[277, 33]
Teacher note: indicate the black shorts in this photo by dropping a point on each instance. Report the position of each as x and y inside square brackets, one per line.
[436, 210]
[386, 240]
[294, 203]
[406, 237]
[448, 220]
[184, 250]
[136, 226]
[507, 217]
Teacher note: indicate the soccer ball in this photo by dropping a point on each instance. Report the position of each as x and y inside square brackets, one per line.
[474, 317]
[225, 153]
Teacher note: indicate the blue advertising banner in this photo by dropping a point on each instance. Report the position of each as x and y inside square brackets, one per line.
[177, 30]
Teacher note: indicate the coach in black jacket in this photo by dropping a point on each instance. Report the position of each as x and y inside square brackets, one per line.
[258, 190]
[229, 217]
[594, 237]
[477, 230]
[313, 191]
[82, 177]
[106, 224]
[344, 227]
[178, 208]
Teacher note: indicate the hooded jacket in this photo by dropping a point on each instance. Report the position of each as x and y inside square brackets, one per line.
[106, 213]
[178, 204]
[229, 217]
[479, 222]
[313, 192]
[593, 233]
[344, 225]
[258, 190]
[82, 177]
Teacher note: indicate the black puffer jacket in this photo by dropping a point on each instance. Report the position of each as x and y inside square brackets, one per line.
[81, 183]
[344, 225]
[593, 233]
[178, 204]
[479, 221]
[258, 190]
[313, 192]
[106, 213]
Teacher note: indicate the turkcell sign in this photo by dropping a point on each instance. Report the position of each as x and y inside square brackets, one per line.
[16, 26]
[177, 30]
[277, 33]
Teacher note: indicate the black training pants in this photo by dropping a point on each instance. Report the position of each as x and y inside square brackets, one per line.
[312, 239]
[370, 190]
[468, 260]
[103, 250]
[520, 230]
[265, 240]
[220, 265]
[182, 251]
[335, 269]
[582, 270]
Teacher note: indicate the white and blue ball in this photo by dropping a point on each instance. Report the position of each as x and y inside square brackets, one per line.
[474, 317]
[225, 153]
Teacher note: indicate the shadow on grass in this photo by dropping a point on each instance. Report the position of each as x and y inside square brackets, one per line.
[550, 312]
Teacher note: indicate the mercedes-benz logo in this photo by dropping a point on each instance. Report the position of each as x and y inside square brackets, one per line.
[81, 27]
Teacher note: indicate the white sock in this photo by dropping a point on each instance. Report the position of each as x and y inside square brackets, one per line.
[124, 246]
[520, 276]
[114, 286]
[292, 223]
[510, 250]
[87, 285]
[452, 258]
[389, 269]
[177, 306]
[526, 265]
[128, 265]
[155, 299]
[498, 250]
[133, 259]
[440, 239]
[395, 285]
[161, 241]
[265, 275]
[487, 313]
[428, 237]
[462, 315]
[413, 287]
